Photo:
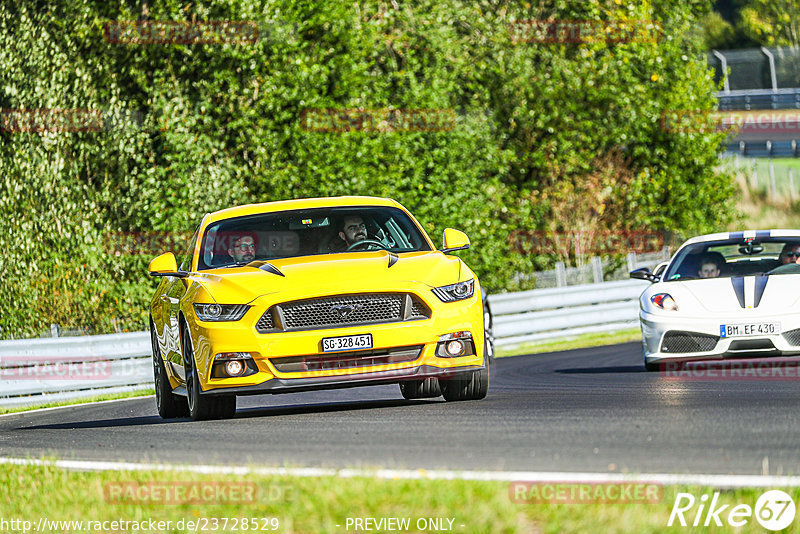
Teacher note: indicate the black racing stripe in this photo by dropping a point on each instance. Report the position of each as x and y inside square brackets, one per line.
[761, 283]
[736, 235]
[738, 288]
[761, 234]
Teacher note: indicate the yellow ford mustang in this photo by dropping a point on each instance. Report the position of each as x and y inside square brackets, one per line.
[314, 294]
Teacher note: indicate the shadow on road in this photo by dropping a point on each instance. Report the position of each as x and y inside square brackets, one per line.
[300, 409]
[241, 413]
[601, 370]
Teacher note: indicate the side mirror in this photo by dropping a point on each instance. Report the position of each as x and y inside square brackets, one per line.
[643, 273]
[165, 265]
[453, 239]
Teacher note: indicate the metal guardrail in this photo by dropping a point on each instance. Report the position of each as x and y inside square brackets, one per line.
[36, 371]
[548, 314]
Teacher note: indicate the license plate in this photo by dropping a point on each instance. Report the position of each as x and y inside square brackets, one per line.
[341, 343]
[749, 329]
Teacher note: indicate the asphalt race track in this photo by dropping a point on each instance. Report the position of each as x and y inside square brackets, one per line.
[582, 410]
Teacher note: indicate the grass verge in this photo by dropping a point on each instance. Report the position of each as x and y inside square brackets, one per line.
[576, 342]
[97, 398]
[320, 504]
[756, 205]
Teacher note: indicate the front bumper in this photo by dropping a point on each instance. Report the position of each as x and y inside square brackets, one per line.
[210, 339]
[295, 385]
[667, 338]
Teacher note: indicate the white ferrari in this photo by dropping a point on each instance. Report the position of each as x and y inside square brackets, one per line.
[726, 295]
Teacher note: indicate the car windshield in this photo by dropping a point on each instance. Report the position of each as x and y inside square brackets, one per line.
[735, 257]
[289, 234]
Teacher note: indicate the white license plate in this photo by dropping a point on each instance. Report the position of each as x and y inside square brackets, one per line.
[749, 329]
[341, 343]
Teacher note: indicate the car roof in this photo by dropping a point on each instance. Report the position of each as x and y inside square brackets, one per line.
[303, 203]
[721, 236]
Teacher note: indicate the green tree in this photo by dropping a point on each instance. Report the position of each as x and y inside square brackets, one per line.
[771, 23]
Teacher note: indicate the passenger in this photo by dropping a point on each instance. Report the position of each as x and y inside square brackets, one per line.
[244, 248]
[709, 267]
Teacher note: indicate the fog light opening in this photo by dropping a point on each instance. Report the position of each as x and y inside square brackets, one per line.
[234, 367]
[232, 356]
[454, 348]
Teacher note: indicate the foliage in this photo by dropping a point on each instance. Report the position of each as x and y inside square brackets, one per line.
[751, 23]
[539, 127]
[773, 22]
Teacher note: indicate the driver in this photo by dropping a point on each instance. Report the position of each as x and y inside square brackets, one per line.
[353, 230]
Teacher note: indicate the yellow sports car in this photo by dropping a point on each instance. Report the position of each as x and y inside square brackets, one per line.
[315, 294]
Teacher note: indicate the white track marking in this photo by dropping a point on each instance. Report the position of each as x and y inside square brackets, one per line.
[709, 480]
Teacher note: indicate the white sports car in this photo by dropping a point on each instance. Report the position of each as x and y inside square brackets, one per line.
[723, 295]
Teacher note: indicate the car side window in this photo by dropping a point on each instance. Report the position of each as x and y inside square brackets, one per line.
[186, 260]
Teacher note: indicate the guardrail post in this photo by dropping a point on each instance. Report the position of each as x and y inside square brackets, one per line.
[772, 183]
[597, 270]
[724, 68]
[772, 75]
[54, 330]
[631, 261]
[561, 274]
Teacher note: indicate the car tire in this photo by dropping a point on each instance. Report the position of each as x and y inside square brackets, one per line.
[467, 386]
[420, 389]
[202, 407]
[168, 404]
[651, 367]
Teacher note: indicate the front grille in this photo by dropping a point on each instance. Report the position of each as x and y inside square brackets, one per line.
[677, 342]
[346, 360]
[419, 310]
[792, 337]
[343, 310]
[266, 323]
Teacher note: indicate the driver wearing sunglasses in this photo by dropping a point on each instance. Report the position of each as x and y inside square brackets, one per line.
[790, 253]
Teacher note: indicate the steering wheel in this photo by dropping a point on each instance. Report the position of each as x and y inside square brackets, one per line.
[367, 242]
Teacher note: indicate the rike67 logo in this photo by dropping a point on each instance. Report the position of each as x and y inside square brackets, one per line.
[774, 510]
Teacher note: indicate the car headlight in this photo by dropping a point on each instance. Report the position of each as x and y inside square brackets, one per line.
[220, 312]
[664, 301]
[459, 291]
